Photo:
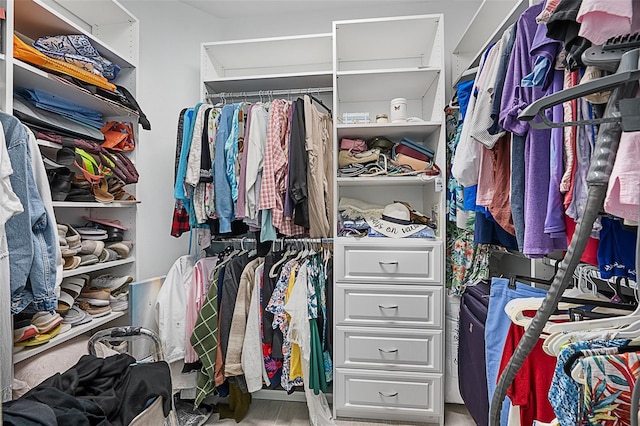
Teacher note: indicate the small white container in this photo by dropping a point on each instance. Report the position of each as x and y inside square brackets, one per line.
[398, 110]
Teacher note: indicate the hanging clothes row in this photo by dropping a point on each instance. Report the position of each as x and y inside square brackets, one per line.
[252, 320]
[527, 187]
[265, 166]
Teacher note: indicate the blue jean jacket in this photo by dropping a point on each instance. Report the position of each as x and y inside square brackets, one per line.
[31, 234]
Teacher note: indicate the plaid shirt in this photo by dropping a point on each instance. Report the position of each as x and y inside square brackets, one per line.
[274, 183]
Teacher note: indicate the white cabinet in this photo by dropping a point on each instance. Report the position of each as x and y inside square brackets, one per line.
[113, 31]
[389, 294]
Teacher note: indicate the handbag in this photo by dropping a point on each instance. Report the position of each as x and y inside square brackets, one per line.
[118, 136]
[413, 149]
[354, 146]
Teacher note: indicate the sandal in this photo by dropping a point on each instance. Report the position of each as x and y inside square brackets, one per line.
[101, 192]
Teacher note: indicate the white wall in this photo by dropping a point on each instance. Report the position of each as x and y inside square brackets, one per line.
[168, 80]
[170, 37]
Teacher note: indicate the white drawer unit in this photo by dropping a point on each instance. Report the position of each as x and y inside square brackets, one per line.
[389, 305]
[389, 350]
[384, 395]
[375, 263]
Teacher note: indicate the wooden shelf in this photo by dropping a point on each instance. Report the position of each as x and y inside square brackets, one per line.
[35, 19]
[61, 338]
[395, 131]
[385, 84]
[28, 76]
[386, 180]
[97, 267]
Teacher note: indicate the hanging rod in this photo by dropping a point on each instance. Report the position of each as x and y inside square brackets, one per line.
[278, 240]
[267, 93]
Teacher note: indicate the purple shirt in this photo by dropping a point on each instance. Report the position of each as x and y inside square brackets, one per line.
[537, 146]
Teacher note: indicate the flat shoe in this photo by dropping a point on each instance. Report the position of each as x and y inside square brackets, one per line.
[88, 259]
[108, 255]
[91, 247]
[41, 339]
[23, 333]
[71, 263]
[101, 192]
[65, 302]
[46, 321]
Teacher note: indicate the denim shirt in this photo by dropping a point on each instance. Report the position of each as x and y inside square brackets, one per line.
[31, 235]
[224, 202]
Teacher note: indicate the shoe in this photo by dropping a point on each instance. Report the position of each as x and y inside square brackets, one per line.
[91, 247]
[110, 282]
[88, 259]
[46, 321]
[73, 238]
[23, 330]
[119, 302]
[123, 248]
[61, 184]
[101, 192]
[71, 262]
[65, 302]
[95, 311]
[95, 296]
[107, 255]
[76, 316]
[345, 157]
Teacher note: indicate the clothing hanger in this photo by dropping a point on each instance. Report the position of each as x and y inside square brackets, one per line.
[318, 101]
[273, 272]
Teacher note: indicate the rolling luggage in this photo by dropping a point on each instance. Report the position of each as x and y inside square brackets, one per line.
[472, 374]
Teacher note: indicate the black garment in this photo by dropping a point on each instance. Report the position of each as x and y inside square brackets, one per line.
[238, 227]
[269, 335]
[101, 392]
[298, 166]
[27, 413]
[328, 337]
[144, 122]
[562, 26]
[230, 284]
[206, 165]
[179, 143]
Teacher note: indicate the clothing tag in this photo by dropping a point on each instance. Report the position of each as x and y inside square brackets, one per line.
[438, 184]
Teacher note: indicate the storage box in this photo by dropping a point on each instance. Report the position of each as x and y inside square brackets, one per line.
[355, 118]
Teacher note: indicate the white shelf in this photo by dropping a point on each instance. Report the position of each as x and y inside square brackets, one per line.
[387, 241]
[94, 205]
[393, 131]
[271, 82]
[97, 267]
[386, 180]
[267, 56]
[28, 76]
[35, 19]
[396, 42]
[490, 21]
[61, 338]
[386, 84]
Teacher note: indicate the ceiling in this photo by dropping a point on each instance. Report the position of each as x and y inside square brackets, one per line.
[239, 8]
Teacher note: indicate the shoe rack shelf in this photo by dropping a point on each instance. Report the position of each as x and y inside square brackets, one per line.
[97, 267]
[114, 32]
[61, 338]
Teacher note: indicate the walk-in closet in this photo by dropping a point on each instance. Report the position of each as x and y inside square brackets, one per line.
[319, 212]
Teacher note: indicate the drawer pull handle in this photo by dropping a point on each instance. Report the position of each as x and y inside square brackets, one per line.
[388, 306]
[388, 395]
[388, 351]
[391, 262]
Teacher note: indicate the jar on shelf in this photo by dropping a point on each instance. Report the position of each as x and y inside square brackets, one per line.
[382, 118]
[398, 110]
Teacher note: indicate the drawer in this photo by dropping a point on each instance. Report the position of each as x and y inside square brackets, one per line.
[389, 349]
[379, 263]
[391, 396]
[389, 305]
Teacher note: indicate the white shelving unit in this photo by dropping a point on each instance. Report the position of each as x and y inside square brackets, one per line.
[389, 295]
[114, 32]
[487, 25]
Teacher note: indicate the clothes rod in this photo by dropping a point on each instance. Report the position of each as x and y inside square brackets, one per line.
[269, 93]
[279, 240]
